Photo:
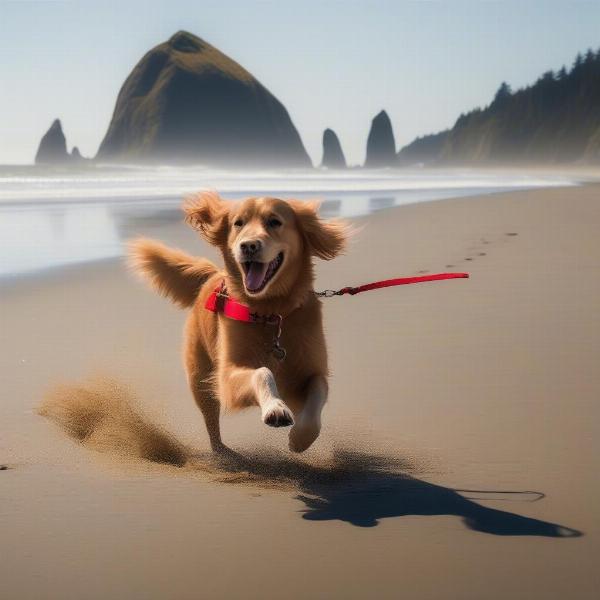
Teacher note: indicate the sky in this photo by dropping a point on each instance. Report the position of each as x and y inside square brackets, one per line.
[332, 63]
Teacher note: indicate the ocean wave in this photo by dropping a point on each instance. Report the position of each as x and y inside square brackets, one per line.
[168, 182]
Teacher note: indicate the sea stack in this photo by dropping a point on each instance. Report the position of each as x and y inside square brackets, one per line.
[381, 146]
[53, 146]
[76, 155]
[333, 156]
[185, 101]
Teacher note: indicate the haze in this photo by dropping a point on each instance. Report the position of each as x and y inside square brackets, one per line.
[333, 64]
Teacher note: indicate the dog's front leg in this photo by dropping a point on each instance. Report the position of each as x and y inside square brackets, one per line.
[308, 422]
[244, 387]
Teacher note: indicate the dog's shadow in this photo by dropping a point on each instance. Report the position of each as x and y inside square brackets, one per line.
[362, 488]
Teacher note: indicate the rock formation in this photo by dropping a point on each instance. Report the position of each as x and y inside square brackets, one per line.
[333, 156]
[75, 154]
[53, 146]
[187, 101]
[381, 147]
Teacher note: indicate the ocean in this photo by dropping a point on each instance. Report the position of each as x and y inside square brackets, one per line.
[52, 218]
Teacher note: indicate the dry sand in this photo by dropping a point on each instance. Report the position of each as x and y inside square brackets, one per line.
[489, 384]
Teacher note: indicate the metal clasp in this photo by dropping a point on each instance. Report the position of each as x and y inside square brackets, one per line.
[326, 293]
[278, 351]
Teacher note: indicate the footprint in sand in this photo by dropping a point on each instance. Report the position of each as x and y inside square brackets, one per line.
[475, 249]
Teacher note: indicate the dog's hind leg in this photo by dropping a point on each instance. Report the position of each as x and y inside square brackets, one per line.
[308, 421]
[199, 372]
[210, 407]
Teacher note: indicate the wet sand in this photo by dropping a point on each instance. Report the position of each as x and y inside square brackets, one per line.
[489, 384]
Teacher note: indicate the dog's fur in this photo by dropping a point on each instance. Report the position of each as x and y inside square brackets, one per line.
[229, 363]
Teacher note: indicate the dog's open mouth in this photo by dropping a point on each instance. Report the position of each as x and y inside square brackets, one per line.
[258, 274]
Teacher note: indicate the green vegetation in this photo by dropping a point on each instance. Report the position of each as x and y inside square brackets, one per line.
[557, 119]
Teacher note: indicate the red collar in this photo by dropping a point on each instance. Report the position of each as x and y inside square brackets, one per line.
[221, 301]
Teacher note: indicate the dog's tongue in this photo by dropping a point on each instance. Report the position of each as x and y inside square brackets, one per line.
[256, 275]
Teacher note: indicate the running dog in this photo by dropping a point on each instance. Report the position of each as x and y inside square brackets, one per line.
[254, 335]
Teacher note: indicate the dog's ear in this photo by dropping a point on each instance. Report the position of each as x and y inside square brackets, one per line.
[208, 214]
[325, 239]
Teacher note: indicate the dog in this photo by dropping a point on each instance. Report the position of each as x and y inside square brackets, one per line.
[268, 246]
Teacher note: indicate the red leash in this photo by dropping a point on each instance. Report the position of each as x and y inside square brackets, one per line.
[220, 301]
[390, 283]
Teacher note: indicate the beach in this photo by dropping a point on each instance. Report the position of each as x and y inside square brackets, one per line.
[488, 384]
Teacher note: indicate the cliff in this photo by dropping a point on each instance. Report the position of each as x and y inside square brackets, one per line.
[425, 149]
[554, 120]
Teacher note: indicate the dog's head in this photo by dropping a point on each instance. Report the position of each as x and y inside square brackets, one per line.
[267, 243]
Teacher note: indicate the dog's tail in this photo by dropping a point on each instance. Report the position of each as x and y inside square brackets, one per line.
[169, 271]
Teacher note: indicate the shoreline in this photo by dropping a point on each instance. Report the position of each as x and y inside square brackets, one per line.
[16, 277]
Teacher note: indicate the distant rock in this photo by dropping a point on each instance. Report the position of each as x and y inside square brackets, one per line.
[333, 156]
[425, 150]
[186, 101]
[381, 146]
[76, 156]
[53, 146]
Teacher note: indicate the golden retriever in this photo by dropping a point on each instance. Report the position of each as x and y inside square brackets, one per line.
[268, 247]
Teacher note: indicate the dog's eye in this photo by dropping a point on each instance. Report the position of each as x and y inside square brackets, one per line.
[238, 223]
[273, 222]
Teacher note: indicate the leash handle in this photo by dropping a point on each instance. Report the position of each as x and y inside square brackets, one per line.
[390, 283]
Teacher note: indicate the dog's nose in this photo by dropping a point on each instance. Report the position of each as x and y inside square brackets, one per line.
[250, 247]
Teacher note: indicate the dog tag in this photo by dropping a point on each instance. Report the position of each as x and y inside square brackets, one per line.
[279, 353]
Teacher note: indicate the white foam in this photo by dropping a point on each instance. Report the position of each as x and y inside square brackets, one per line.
[162, 182]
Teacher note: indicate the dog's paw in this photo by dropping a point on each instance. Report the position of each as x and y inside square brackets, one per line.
[277, 414]
[303, 434]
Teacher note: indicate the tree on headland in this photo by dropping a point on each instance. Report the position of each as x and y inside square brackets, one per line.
[502, 95]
